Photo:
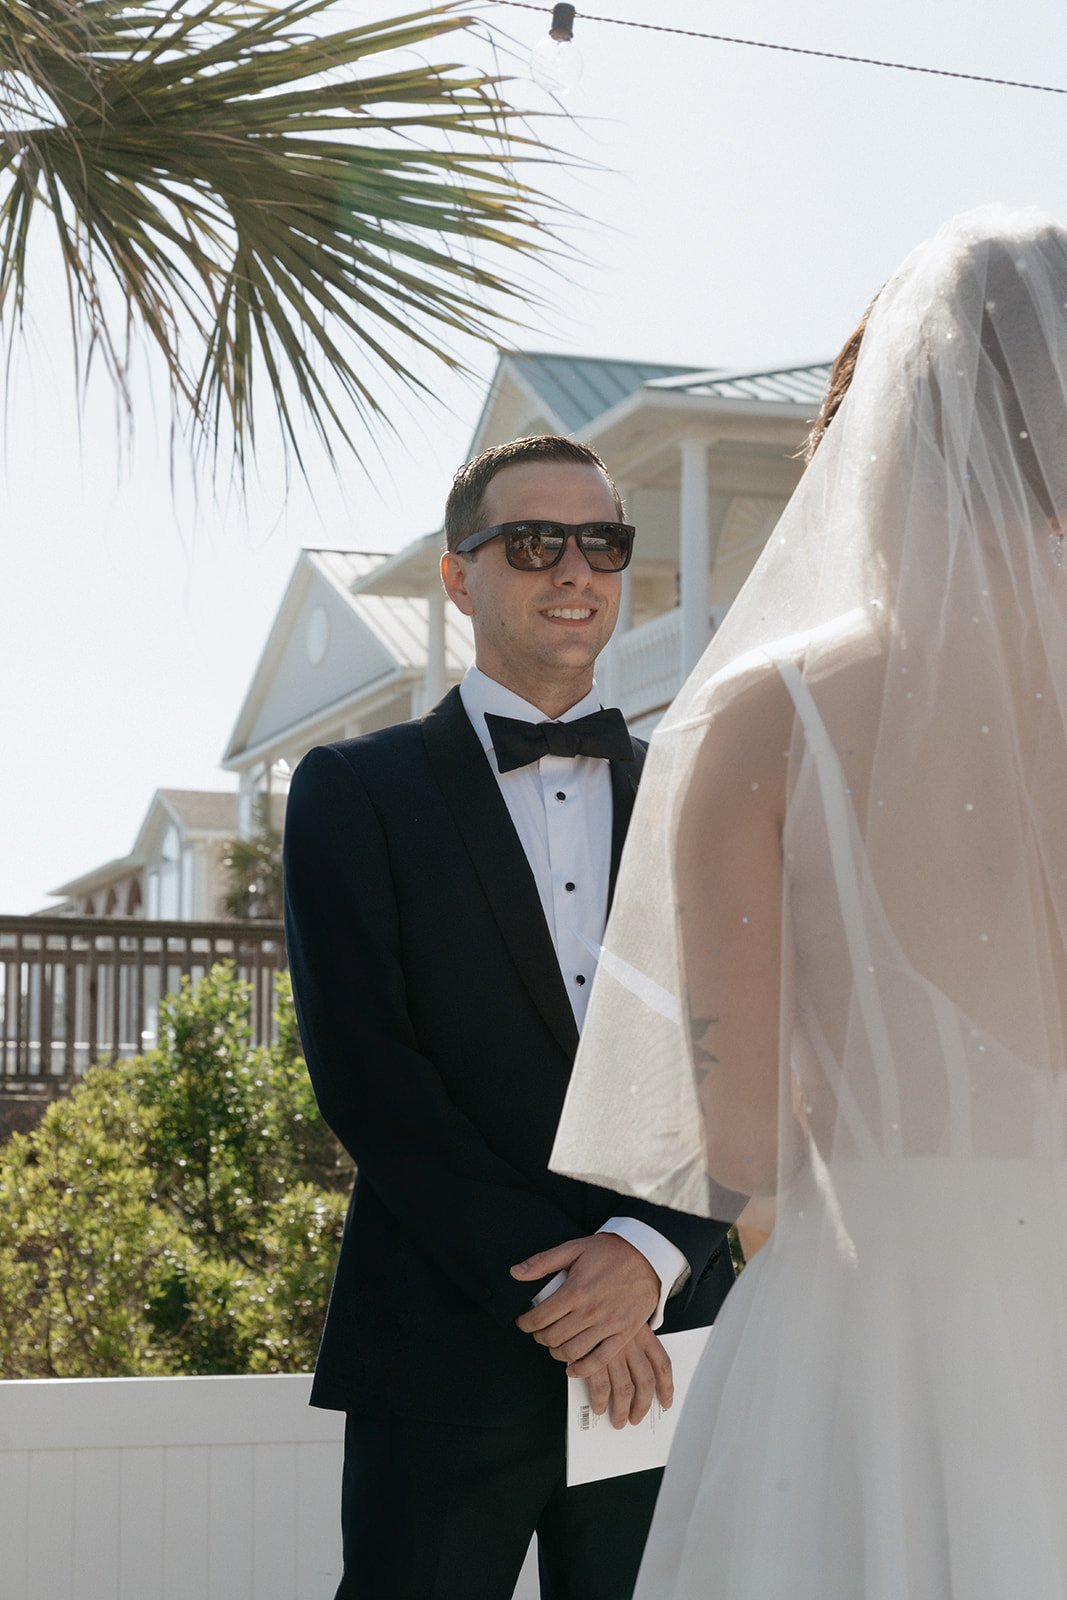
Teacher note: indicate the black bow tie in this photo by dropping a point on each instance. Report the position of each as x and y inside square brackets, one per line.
[517, 744]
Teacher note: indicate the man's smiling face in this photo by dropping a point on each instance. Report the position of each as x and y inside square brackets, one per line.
[539, 633]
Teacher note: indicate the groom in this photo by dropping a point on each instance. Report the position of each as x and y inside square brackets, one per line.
[446, 883]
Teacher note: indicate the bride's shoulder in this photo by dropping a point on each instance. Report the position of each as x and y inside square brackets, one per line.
[743, 713]
[761, 678]
[849, 646]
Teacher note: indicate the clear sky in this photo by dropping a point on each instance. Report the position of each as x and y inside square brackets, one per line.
[745, 207]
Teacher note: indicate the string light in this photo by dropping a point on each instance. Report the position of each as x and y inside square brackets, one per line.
[555, 62]
[801, 50]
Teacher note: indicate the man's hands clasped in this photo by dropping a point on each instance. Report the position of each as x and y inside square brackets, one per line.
[597, 1323]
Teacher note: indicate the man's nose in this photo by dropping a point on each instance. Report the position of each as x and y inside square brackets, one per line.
[572, 567]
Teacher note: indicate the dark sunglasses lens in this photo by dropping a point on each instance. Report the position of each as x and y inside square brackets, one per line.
[534, 545]
[605, 546]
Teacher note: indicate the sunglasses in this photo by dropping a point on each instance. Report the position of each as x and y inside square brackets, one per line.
[536, 546]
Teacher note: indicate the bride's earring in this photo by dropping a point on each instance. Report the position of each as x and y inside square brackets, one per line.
[1056, 544]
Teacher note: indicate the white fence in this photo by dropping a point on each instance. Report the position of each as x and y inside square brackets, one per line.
[170, 1489]
[167, 1489]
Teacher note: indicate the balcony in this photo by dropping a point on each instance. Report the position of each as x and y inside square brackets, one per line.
[75, 990]
[645, 670]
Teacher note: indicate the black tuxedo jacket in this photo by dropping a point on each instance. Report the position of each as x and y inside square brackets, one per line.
[439, 1038]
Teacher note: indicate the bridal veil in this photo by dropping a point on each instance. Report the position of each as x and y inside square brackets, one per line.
[894, 676]
[836, 974]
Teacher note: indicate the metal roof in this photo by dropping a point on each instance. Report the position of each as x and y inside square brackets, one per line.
[400, 622]
[578, 388]
[403, 626]
[795, 385]
[348, 567]
[414, 569]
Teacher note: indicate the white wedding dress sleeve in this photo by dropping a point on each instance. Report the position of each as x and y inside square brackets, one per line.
[836, 974]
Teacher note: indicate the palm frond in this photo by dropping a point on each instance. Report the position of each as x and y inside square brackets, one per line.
[269, 197]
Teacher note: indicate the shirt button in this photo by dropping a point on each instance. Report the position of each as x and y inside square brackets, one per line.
[579, 979]
[560, 795]
[569, 887]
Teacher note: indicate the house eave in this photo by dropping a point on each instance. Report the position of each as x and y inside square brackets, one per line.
[363, 699]
[698, 406]
[413, 572]
[98, 877]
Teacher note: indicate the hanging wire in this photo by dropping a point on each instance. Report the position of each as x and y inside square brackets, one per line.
[800, 50]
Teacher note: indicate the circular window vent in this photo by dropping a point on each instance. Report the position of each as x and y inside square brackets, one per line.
[317, 635]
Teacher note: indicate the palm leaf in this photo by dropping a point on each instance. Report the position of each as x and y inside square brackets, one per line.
[268, 198]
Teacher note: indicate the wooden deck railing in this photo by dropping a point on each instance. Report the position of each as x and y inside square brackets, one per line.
[74, 990]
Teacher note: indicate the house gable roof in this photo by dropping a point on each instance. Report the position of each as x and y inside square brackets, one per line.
[367, 640]
[198, 814]
[196, 809]
[535, 391]
[211, 810]
[295, 676]
[578, 388]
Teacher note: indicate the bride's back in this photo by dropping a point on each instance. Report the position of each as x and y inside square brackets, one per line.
[927, 917]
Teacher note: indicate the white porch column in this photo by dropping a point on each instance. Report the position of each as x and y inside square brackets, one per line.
[609, 670]
[695, 551]
[626, 603]
[201, 910]
[609, 675]
[247, 789]
[434, 681]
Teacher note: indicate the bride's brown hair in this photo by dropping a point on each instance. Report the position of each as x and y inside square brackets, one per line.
[841, 374]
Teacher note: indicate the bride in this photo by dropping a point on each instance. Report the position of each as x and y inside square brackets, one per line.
[835, 978]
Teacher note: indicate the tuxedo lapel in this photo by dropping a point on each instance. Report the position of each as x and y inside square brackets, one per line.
[624, 778]
[473, 795]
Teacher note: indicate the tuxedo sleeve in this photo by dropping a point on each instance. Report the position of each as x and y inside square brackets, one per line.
[470, 1210]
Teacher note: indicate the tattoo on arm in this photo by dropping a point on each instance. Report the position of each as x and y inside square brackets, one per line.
[703, 1057]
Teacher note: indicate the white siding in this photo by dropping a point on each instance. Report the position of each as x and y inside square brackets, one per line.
[353, 657]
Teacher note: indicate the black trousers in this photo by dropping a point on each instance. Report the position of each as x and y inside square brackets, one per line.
[432, 1511]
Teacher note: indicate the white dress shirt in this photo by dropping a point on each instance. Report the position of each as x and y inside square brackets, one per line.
[562, 810]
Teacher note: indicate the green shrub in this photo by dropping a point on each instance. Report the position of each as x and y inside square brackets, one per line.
[178, 1213]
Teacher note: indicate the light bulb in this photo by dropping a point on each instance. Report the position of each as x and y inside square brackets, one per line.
[555, 62]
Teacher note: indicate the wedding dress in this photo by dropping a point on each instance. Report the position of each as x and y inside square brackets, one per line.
[836, 975]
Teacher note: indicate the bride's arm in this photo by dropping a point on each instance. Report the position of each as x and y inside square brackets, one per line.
[755, 1226]
[729, 858]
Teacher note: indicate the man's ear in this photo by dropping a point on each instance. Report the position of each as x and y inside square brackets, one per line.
[454, 578]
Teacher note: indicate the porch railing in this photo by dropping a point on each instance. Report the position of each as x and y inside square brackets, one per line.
[75, 990]
[646, 663]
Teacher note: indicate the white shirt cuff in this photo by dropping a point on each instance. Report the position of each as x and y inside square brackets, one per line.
[665, 1258]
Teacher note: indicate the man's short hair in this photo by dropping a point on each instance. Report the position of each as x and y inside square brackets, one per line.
[463, 512]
